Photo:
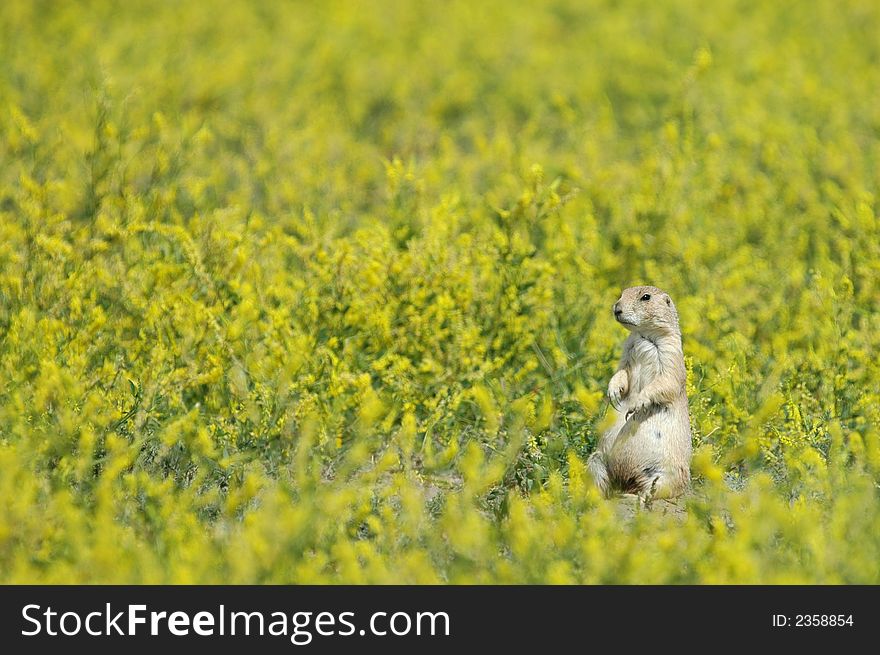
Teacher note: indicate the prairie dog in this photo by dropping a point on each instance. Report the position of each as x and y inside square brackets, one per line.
[648, 449]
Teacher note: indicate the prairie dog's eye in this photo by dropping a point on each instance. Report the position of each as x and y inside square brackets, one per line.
[647, 296]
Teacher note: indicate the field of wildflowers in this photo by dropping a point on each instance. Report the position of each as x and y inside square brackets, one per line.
[320, 291]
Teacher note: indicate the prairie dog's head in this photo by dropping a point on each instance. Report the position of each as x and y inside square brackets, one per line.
[646, 310]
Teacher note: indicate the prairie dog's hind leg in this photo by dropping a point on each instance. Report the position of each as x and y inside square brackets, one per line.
[597, 468]
[658, 485]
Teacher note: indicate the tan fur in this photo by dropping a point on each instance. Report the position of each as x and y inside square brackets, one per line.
[648, 449]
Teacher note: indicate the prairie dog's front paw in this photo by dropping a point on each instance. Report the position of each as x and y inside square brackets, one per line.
[617, 388]
[640, 405]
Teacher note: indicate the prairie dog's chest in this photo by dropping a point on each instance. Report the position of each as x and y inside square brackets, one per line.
[644, 362]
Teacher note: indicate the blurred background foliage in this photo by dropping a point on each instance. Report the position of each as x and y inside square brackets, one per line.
[319, 291]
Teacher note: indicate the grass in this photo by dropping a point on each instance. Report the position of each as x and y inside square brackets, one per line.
[316, 292]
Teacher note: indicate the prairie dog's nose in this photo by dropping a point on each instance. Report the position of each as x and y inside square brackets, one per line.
[617, 310]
